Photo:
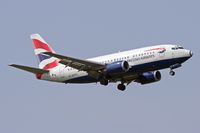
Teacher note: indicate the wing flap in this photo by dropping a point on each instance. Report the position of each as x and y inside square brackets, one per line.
[30, 69]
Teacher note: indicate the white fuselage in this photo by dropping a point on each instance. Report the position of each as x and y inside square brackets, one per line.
[169, 54]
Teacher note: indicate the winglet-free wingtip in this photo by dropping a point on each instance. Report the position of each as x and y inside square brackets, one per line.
[12, 65]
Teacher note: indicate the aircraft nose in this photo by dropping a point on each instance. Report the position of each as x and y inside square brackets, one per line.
[191, 53]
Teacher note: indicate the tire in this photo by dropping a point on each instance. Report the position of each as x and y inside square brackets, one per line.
[121, 87]
[104, 82]
[172, 73]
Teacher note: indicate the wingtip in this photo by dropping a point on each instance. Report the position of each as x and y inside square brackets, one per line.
[11, 64]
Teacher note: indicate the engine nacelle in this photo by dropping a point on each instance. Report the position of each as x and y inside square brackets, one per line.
[150, 77]
[117, 67]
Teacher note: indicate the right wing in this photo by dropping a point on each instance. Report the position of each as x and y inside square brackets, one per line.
[30, 69]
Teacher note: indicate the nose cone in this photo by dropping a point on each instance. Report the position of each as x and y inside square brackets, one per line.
[191, 53]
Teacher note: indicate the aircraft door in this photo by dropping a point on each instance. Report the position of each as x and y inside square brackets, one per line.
[162, 52]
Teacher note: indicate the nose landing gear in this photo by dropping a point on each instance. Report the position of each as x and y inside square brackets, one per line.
[172, 73]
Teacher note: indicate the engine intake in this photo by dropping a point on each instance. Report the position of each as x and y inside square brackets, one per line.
[150, 77]
[117, 67]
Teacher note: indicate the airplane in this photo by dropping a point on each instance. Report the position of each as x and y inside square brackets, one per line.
[140, 65]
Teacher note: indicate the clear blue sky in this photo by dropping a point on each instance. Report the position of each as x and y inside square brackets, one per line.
[86, 28]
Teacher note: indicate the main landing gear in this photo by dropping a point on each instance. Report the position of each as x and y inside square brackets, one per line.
[104, 81]
[121, 87]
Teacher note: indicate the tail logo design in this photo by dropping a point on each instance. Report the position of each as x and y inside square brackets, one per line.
[40, 46]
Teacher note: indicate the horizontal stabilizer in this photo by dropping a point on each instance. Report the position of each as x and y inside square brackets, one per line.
[30, 69]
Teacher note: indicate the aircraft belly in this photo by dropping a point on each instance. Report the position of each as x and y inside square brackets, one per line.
[133, 72]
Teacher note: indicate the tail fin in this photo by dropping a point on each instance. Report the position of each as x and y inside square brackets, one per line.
[40, 45]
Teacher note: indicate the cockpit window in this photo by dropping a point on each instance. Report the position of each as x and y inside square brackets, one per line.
[177, 47]
[174, 48]
[180, 47]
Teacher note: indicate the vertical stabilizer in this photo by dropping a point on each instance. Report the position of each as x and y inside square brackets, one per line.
[40, 45]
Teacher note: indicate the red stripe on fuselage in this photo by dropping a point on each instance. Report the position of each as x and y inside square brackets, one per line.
[38, 44]
[154, 49]
[50, 65]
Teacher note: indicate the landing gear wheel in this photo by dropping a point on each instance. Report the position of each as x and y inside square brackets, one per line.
[121, 87]
[172, 73]
[104, 82]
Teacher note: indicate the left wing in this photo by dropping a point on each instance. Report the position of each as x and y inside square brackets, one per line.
[93, 68]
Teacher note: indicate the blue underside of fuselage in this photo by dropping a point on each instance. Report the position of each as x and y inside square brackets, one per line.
[152, 66]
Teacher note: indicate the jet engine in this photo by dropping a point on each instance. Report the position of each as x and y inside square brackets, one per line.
[117, 67]
[150, 77]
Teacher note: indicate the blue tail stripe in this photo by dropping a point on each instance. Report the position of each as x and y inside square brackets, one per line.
[42, 57]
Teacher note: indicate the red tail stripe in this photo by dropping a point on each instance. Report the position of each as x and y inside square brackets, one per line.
[50, 65]
[38, 44]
